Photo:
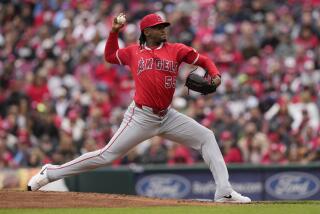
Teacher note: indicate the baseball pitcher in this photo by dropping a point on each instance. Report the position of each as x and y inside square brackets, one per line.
[154, 64]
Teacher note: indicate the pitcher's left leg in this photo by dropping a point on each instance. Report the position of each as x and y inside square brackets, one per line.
[183, 129]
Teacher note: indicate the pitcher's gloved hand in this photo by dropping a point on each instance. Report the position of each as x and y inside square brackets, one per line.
[200, 84]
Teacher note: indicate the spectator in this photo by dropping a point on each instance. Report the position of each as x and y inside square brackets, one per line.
[253, 144]
[230, 151]
[156, 153]
[275, 154]
[179, 154]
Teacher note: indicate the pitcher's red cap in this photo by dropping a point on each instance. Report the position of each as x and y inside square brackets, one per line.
[152, 20]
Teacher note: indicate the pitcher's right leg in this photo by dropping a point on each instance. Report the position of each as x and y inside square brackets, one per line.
[183, 129]
[131, 132]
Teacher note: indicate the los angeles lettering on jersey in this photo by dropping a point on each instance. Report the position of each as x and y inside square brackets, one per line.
[156, 64]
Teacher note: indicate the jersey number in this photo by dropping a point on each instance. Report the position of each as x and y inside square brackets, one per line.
[169, 82]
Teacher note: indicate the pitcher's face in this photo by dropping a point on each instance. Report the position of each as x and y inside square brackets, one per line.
[157, 33]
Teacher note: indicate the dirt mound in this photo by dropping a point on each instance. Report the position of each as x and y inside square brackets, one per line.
[24, 199]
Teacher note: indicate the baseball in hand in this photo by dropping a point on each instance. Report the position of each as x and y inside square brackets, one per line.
[121, 19]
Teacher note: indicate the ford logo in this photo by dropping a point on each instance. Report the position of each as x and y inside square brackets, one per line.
[163, 186]
[292, 185]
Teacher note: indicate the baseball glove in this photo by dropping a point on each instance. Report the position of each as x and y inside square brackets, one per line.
[200, 84]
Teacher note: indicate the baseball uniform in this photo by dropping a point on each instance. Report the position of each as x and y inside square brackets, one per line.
[154, 71]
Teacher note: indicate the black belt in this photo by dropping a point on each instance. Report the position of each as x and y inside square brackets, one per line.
[159, 112]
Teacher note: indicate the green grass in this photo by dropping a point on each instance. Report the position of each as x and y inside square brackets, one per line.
[312, 207]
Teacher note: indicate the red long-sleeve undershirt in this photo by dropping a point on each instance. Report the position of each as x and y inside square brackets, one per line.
[208, 65]
[111, 48]
[203, 61]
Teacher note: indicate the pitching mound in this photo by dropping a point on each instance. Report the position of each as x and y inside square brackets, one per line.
[24, 199]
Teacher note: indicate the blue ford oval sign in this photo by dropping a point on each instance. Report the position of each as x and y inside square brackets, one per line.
[292, 185]
[163, 186]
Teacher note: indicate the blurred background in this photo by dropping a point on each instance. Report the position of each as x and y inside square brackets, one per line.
[60, 99]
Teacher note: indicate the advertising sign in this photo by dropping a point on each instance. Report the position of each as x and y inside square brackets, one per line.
[258, 185]
[191, 185]
[292, 186]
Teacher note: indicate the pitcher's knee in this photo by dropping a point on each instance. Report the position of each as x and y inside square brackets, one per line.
[209, 136]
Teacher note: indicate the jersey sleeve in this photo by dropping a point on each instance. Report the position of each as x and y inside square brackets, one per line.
[112, 52]
[186, 54]
[191, 56]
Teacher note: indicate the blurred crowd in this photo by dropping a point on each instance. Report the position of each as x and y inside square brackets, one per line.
[60, 99]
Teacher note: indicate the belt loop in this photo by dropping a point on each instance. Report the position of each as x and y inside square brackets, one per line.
[161, 113]
[138, 105]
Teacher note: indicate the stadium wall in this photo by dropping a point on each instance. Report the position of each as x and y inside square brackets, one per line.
[290, 182]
